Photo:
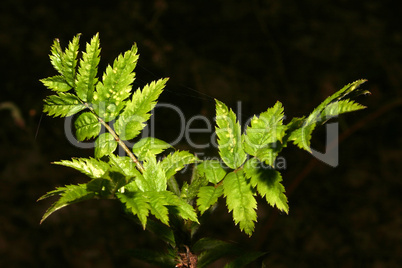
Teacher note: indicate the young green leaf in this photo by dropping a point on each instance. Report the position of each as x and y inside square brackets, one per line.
[158, 203]
[229, 137]
[132, 120]
[87, 71]
[154, 178]
[177, 161]
[240, 200]
[70, 194]
[56, 56]
[87, 126]
[69, 61]
[185, 210]
[105, 144]
[339, 107]
[125, 164]
[265, 134]
[212, 170]
[108, 99]
[208, 196]
[267, 181]
[136, 203]
[56, 83]
[149, 147]
[93, 168]
[302, 136]
[63, 104]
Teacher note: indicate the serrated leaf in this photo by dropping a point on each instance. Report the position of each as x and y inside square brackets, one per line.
[185, 210]
[229, 137]
[105, 144]
[56, 56]
[110, 94]
[208, 196]
[154, 178]
[240, 201]
[158, 203]
[267, 181]
[101, 186]
[339, 107]
[212, 170]
[176, 161]
[87, 126]
[125, 164]
[265, 134]
[136, 203]
[91, 167]
[87, 71]
[69, 61]
[56, 83]
[149, 147]
[132, 120]
[302, 136]
[70, 194]
[63, 104]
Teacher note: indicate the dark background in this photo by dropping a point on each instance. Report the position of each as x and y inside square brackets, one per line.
[256, 52]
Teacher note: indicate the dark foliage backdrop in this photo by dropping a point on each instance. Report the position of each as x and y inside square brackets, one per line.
[256, 52]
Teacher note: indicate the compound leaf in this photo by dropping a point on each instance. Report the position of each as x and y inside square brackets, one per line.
[70, 194]
[229, 137]
[87, 71]
[132, 120]
[105, 144]
[265, 134]
[302, 136]
[108, 99]
[63, 104]
[207, 196]
[87, 126]
[240, 200]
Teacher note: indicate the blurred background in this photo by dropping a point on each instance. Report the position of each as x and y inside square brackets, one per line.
[255, 52]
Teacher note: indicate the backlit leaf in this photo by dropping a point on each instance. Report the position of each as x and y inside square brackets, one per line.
[93, 168]
[87, 71]
[63, 104]
[229, 137]
[149, 147]
[132, 120]
[208, 196]
[110, 94]
[240, 201]
[105, 144]
[69, 194]
[87, 126]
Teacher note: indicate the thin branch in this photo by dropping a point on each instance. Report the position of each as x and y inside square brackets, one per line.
[119, 141]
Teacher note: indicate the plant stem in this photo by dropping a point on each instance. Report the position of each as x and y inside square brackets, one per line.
[119, 141]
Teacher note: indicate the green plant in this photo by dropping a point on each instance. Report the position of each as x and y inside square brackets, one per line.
[144, 183]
